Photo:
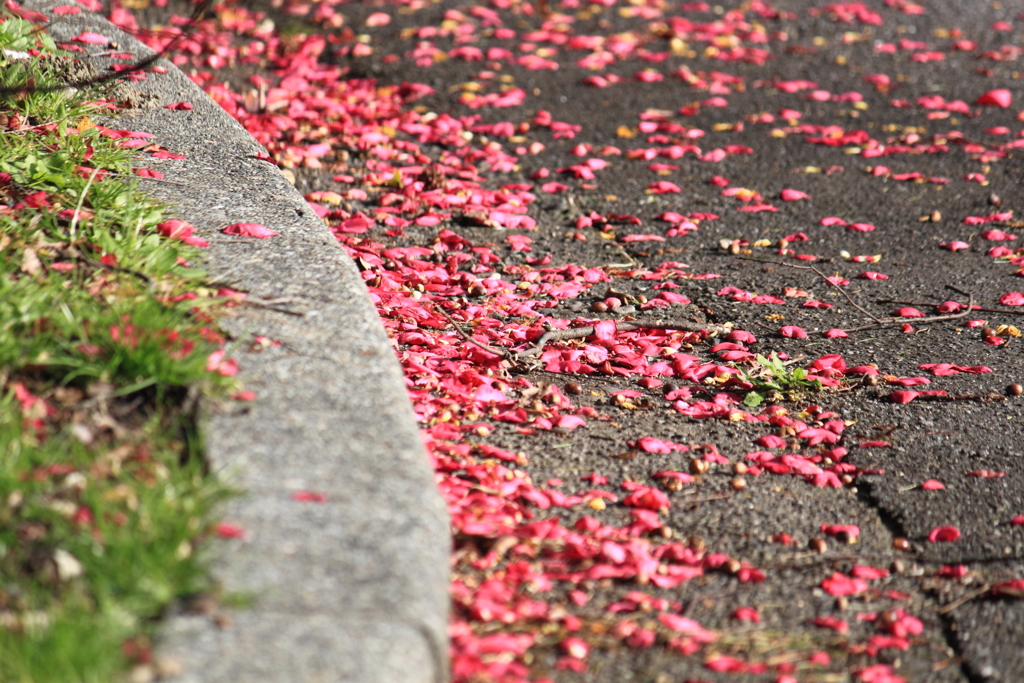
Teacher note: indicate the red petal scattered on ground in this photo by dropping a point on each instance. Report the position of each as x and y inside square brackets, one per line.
[249, 230]
[944, 534]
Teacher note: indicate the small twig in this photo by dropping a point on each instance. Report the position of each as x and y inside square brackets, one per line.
[108, 53]
[269, 305]
[822, 276]
[973, 308]
[945, 609]
[706, 499]
[501, 353]
[78, 256]
[879, 322]
[622, 250]
[142, 177]
[917, 321]
[981, 398]
[626, 326]
[796, 561]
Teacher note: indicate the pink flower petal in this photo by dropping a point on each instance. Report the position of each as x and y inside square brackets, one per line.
[229, 530]
[90, 38]
[792, 332]
[249, 230]
[999, 97]
[944, 534]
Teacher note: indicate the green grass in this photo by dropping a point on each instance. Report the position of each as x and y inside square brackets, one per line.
[103, 494]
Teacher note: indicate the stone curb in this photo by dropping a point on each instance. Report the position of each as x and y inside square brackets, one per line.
[353, 589]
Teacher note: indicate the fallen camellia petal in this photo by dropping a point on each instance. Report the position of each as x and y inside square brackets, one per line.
[309, 497]
[792, 332]
[249, 230]
[26, 14]
[229, 530]
[831, 220]
[771, 441]
[860, 227]
[840, 584]
[649, 444]
[216, 362]
[687, 626]
[663, 187]
[747, 614]
[1012, 299]
[932, 485]
[570, 422]
[944, 534]
[91, 38]
[1000, 97]
[861, 571]
[789, 195]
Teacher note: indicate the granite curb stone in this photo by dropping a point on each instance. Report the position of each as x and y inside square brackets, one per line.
[354, 589]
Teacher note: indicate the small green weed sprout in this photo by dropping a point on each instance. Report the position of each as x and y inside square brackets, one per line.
[773, 382]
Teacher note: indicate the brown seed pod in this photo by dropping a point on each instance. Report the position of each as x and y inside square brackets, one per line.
[818, 545]
[994, 199]
[698, 466]
[740, 468]
[599, 307]
[476, 290]
[935, 216]
[573, 388]
[988, 332]
[671, 484]
[732, 565]
[900, 543]
[844, 537]
[1014, 390]
[738, 483]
